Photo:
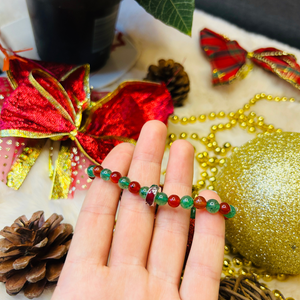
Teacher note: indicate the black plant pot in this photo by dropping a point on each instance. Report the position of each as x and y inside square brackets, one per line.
[74, 31]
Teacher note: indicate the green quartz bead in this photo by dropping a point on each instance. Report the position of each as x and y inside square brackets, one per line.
[161, 199]
[193, 213]
[143, 192]
[232, 212]
[90, 170]
[105, 174]
[212, 206]
[187, 202]
[124, 183]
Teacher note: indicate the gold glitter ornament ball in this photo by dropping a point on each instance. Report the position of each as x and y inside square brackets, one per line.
[262, 180]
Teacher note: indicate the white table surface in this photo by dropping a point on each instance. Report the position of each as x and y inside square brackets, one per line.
[158, 41]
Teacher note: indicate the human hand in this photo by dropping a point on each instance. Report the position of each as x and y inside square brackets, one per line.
[145, 255]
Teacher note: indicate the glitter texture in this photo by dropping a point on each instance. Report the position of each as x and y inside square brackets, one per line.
[24, 163]
[262, 180]
[62, 174]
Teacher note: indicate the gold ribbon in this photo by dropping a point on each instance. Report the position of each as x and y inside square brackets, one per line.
[62, 175]
[23, 164]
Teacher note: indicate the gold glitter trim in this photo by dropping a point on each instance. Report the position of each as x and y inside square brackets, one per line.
[23, 164]
[31, 135]
[83, 151]
[86, 87]
[62, 173]
[51, 167]
[86, 81]
[11, 79]
[79, 114]
[287, 77]
[49, 97]
[105, 137]
[243, 71]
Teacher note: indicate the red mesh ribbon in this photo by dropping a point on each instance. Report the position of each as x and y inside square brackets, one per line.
[228, 59]
[53, 101]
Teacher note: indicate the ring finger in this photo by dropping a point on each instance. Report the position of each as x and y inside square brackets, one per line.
[169, 241]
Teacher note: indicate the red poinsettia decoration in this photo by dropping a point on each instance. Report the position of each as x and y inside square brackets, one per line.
[53, 101]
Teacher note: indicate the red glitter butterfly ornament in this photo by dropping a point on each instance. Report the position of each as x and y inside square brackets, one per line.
[229, 59]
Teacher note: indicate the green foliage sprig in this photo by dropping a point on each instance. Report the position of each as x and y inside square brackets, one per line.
[176, 13]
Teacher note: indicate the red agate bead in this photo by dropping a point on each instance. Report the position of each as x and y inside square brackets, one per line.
[174, 201]
[134, 187]
[97, 170]
[115, 176]
[224, 208]
[199, 202]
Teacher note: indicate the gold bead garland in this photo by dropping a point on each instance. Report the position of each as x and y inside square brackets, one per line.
[249, 121]
[242, 266]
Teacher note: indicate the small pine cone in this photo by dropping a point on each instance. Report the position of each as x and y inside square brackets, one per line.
[175, 78]
[33, 253]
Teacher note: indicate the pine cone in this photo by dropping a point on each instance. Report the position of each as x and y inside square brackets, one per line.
[174, 76]
[33, 252]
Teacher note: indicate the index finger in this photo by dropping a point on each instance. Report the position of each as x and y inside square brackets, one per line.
[204, 266]
[94, 228]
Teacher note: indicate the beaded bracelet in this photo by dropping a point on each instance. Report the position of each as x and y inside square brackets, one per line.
[153, 194]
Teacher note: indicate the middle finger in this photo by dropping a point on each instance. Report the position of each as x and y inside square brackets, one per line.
[135, 219]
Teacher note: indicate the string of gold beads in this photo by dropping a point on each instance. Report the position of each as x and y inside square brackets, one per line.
[215, 154]
[239, 265]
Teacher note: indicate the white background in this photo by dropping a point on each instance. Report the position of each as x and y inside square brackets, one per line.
[159, 41]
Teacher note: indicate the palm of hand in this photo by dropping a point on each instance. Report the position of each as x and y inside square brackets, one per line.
[122, 282]
[145, 255]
